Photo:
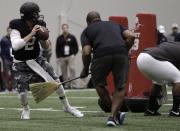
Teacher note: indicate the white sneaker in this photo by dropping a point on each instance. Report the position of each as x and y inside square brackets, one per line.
[25, 115]
[73, 111]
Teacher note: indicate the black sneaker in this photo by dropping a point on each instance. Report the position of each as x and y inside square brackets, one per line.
[120, 117]
[174, 113]
[111, 122]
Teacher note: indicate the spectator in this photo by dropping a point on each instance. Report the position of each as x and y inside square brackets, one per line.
[1, 70]
[171, 37]
[177, 37]
[6, 50]
[66, 49]
[161, 35]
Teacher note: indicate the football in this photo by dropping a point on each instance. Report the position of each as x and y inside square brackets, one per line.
[43, 33]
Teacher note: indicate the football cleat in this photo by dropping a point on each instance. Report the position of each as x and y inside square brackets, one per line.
[25, 115]
[73, 111]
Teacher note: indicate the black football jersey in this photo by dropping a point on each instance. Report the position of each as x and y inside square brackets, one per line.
[32, 48]
[167, 51]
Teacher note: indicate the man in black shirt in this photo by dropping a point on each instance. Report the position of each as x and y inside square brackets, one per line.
[27, 63]
[66, 49]
[162, 64]
[109, 42]
[161, 35]
[172, 35]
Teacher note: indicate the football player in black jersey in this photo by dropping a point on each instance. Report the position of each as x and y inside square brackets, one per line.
[26, 50]
[162, 64]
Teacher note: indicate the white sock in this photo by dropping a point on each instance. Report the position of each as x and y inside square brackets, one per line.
[60, 91]
[24, 100]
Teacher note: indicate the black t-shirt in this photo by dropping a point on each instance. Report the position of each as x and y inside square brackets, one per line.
[32, 49]
[105, 37]
[167, 51]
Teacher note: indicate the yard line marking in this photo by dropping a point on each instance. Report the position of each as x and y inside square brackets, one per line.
[168, 104]
[47, 109]
[53, 97]
[55, 110]
[79, 90]
[164, 113]
[169, 92]
[70, 90]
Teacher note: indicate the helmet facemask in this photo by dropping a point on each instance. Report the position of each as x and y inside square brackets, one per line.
[34, 17]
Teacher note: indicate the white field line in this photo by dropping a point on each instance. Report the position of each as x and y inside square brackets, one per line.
[169, 92]
[52, 97]
[167, 104]
[80, 90]
[70, 90]
[53, 110]
[48, 110]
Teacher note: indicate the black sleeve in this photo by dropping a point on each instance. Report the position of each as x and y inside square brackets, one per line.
[84, 39]
[3, 46]
[75, 46]
[15, 24]
[122, 29]
[57, 48]
[1, 41]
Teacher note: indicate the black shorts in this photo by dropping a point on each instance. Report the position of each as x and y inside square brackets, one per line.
[101, 67]
[24, 76]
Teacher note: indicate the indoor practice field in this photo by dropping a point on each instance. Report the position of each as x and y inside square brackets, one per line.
[48, 115]
[89, 65]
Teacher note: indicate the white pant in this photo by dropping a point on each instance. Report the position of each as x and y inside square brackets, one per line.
[156, 70]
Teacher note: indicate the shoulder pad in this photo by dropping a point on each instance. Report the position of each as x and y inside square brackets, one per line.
[15, 24]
